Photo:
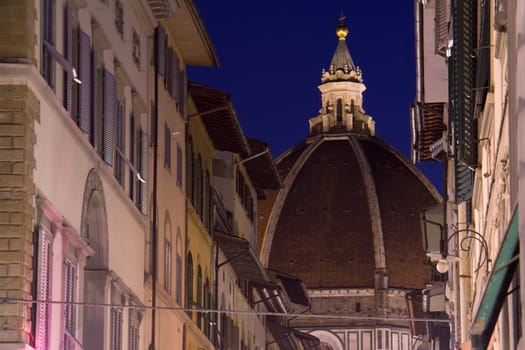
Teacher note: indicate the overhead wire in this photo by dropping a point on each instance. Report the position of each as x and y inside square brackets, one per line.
[228, 312]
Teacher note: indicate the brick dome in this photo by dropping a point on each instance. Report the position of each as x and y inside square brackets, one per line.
[348, 212]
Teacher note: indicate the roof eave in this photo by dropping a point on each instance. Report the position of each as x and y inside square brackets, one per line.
[191, 36]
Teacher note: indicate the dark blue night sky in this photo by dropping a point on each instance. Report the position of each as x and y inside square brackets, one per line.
[271, 55]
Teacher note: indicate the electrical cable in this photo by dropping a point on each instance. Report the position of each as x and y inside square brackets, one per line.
[229, 312]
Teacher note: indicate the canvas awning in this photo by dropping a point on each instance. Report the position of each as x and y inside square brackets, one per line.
[496, 291]
[241, 257]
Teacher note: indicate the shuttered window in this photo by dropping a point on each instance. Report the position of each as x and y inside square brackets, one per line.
[441, 22]
[84, 68]
[199, 296]
[179, 165]
[48, 35]
[133, 338]
[189, 284]
[183, 91]
[132, 157]
[167, 147]
[462, 68]
[178, 272]
[70, 297]
[68, 54]
[175, 80]
[119, 143]
[97, 91]
[167, 265]
[189, 169]
[108, 149]
[43, 287]
[161, 51]
[143, 161]
[116, 328]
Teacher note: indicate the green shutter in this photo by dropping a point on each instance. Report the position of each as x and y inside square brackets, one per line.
[462, 73]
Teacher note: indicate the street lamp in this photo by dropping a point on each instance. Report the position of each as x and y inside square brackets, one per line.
[436, 241]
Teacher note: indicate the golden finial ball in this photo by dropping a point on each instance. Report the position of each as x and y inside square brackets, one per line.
[341, 31]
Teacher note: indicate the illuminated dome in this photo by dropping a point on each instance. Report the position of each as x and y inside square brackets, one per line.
[347, 219]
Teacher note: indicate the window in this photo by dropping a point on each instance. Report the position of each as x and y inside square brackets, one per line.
[178, 268]
[43, 280]
[70, 297]
[48, 35]
[199, 296]
[167, 147]
[132, 152]
[119, 143]
[189, 284]
[134, 320]
[339, 110]
[167, 265]
[119, 17]
[84, 92]
[179, 165]
[133, 338]
[189, 169]
[116, 328]
[136, 48]
[142, 160]
[207, 305]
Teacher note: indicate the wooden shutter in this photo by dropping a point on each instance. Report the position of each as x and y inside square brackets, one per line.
[174, 88]
[167, 146]
[183, 100]
[43, 287]
[144, 172]
[68, 53]
[84, 68]
[95, 107]
[179, 165]
[119, 163]
[167, 265]
[178, 287]
[161, 51]
[462, 73]
[109, 117]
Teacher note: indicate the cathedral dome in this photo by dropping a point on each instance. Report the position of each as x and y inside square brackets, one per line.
[348, 215]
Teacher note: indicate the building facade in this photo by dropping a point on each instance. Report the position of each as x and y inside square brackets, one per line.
[475, 132]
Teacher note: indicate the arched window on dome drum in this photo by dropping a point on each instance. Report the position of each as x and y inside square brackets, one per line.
[339, 111]
[189, 285]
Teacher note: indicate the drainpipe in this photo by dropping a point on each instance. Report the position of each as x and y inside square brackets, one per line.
[418, 14]
[154, 139]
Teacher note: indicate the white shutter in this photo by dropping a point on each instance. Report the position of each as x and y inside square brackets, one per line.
[43, 287]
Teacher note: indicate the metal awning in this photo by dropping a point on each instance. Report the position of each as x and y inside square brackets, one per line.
[241, 257]
[496, 291]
